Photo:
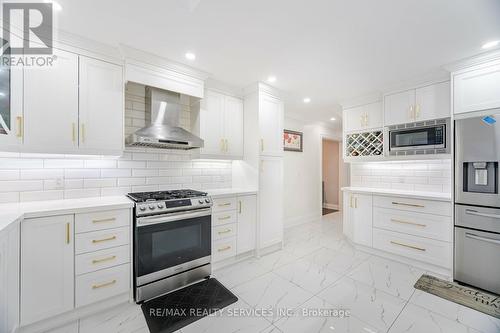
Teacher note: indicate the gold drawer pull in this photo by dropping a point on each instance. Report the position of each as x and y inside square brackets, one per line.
[224, 232]
[104, 239]
[224, 248]
[405, 222]
[224, 218]
[107, 284]
[225, 204]
[409, 246]
[98, 261]
[407, 204]
[67, 233]
[19, 127]
[104, 220]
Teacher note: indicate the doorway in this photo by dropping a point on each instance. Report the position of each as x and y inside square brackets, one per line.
[330, 171]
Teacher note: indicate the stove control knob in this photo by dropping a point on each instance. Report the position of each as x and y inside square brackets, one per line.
[200, 202]
[160, 206]
[207, 200]
[151, 207]
[143, 208]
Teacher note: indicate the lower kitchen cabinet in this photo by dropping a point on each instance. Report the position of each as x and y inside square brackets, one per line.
[358, 218]
[247, 223]
[9, 278]
[47, 267]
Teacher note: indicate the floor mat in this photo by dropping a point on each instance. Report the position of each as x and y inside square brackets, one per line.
[171, 312]
[475, 299]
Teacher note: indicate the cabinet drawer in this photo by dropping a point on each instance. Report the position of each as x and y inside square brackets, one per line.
[224, 204]
[418, 224]
[224, 218]
[102, 220]
[223, 249]
[96, 286]
[413, 205]
[224, 231]
[94, 261]
[103, 239]
[418, 248]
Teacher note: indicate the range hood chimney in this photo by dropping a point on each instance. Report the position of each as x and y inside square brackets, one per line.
[163, 108]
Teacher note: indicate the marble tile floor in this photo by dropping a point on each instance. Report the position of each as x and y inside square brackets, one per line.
[317, 283]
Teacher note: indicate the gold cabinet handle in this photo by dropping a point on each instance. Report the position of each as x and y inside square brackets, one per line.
[98, 261]
[112, 219]
[222, 249]
[407, 204]
[239, 207]
[224, 231]
[406, 222]
[417, 111]
[67, 233]
[20, 128]
[350, 201]
[104, 239]
[107, 284]
[224, 218]
[412, 113]
[73, 132]
[83, 132]
[355, 202]
[408, 246]
[225, 204]
[261, 144]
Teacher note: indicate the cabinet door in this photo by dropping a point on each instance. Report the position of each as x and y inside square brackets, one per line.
[374, 115]
[247, 222]
[211, 123]
[51, 104]
[354, 118]
[271, 125]
[47, 267]
[346, 215]
[362, 219]
[233, 126]
[11, 106]
[9, 279]
[101, 105]
[432, 102]
[477, 90]
[399, 108]
[271, 201]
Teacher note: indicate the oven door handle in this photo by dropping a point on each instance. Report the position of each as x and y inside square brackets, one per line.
[145, 221]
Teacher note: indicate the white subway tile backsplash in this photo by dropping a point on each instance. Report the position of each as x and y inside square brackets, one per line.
[41, 173]
[63, 164]
[170, 172]
[131, 181]
[144, 172]
[20, 185]
[82, 173]
[82, 193]
[113, 173]
[9, 197]
[9, 174]
[92, 183]
[131, 164]
[41, 195]
[100, 164]
[11, 163]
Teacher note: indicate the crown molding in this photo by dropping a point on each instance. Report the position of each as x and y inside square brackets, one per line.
[476, 60]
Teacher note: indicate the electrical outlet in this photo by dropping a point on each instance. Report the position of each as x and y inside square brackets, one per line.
[59, 183]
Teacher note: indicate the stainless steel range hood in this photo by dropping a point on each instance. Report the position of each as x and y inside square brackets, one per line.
[163, 108]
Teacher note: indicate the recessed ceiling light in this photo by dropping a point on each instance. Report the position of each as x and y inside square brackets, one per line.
[307, 100]
[491, 44]
[333, 118]
[55, 5]
[271, 79]
[190, 56]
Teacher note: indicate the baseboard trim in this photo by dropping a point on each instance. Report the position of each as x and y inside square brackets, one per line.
[331, 206]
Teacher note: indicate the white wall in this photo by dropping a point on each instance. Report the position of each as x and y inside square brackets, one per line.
[302, 181]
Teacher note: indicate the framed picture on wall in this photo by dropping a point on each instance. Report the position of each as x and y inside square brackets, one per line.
[292, 141]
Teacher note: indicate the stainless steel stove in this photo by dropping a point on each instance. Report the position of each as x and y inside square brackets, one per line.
[172, 240]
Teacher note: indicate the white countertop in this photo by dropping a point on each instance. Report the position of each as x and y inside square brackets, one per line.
[13, 212]
[225, 192]
[401, 193]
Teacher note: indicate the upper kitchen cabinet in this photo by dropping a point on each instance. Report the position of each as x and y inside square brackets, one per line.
[423, 103]
[51, 105]
[11, 106]
[476, 89]
[221, 126]
[271, 113]
[101, 106]
[363, 117]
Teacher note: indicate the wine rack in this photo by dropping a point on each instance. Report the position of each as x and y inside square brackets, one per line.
[365, 144]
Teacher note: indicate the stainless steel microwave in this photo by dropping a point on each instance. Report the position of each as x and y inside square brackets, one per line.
[419, 138]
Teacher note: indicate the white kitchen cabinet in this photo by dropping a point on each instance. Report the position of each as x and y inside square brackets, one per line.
[47, 267]
[11, 115]
[476, 89]
[9, 278]
[51, 105]
[423, 103]
[101, 111]
[247, 222]
[271, 115]
[358, 208]
[221, 125]
[363, 117]
[270, 201]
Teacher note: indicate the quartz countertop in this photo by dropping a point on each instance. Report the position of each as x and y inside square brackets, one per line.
[401, 193]
[225, 192]
[14, 212]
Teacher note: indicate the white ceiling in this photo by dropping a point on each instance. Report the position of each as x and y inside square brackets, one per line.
[328, 50]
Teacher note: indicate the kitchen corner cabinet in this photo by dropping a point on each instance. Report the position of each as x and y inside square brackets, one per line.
[247, 223]
[47, 267]
[270, 201]
[221, 125]
[271, 115]
[363, 117]
[423, 103]
[9, 278]
[358, 218]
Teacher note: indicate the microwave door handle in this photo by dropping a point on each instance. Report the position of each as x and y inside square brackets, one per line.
[145, 221]
[474, 212]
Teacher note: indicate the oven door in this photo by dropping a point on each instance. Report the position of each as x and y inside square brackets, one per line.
[171, 243]
[432, 137]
